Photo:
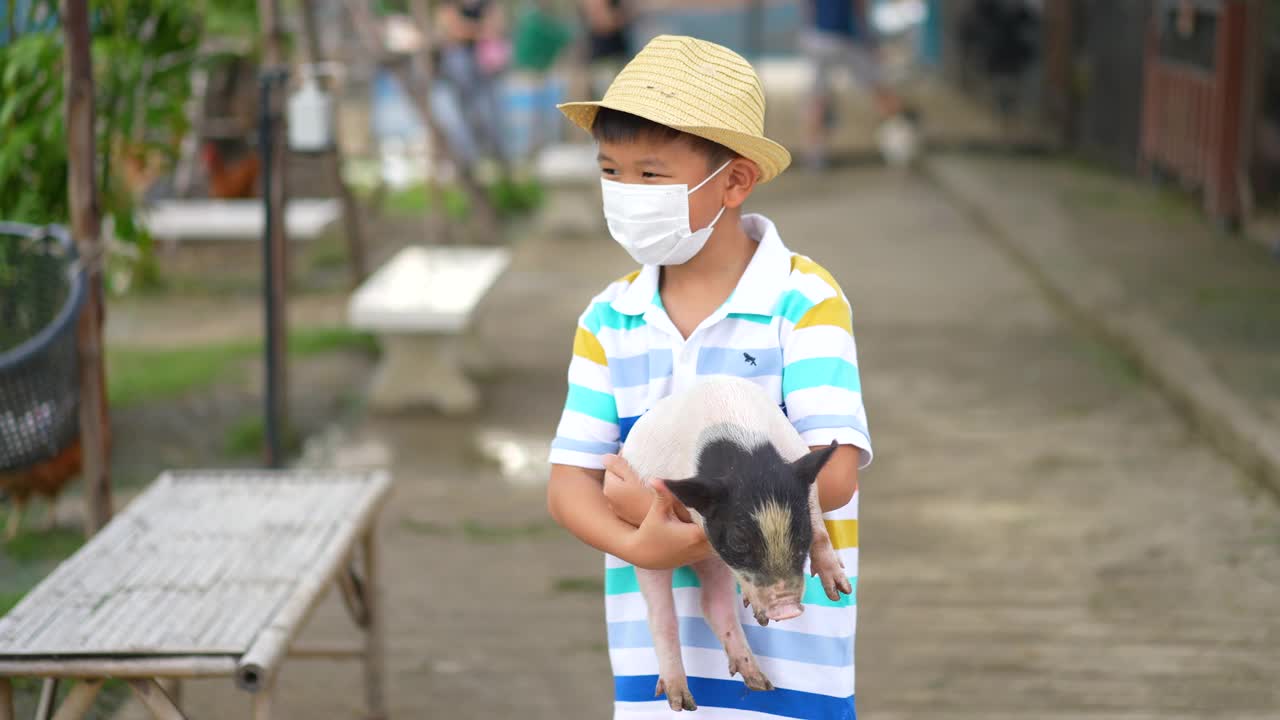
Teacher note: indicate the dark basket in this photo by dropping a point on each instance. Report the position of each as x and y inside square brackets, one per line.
[42, 291]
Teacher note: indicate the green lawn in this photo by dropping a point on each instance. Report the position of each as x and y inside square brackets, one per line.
[136, 375]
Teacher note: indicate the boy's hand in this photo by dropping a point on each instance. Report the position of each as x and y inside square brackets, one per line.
[663, 541]
[628, 496]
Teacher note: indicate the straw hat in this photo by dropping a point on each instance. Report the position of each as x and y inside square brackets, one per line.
[696, 87]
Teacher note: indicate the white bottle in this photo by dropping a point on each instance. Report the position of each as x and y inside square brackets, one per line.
[310, 117]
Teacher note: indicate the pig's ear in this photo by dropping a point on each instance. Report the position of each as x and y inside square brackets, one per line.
[696, 493]
[808, 467]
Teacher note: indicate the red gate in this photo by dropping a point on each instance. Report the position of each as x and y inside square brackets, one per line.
[1194, 100]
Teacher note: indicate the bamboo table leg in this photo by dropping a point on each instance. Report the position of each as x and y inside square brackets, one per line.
[152, 694]
[48, 694]
[6, 699]
[374, 654]
[262, 703]
[79, 701]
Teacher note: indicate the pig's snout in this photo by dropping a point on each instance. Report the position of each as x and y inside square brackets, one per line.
[781, 600]
[785, 611]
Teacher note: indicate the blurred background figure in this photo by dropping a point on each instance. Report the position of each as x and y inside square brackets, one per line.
[608, 24]
[474, 51]
[839, 33]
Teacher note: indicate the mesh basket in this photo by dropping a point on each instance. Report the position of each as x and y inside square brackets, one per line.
[42, 290]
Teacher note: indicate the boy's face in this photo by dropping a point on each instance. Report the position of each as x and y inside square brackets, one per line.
[654, 161]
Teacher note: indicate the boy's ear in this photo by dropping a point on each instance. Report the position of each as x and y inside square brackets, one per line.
[743, 176]
[696, 493]
[808, 467]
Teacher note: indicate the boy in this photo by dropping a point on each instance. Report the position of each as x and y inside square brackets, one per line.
[681, 147]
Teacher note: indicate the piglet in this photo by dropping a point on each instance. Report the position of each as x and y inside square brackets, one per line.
[727, 452]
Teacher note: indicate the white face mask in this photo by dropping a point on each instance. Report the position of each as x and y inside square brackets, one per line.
[651, 222]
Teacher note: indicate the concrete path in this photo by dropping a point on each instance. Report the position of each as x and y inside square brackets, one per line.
[1042, 535]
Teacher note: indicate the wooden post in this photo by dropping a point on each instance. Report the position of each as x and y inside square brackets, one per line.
[375, 650]
[48, 697]
[83, 201]
[357, 265]
[7, 709]
[278, 242]
[79, 701]
[151, 693]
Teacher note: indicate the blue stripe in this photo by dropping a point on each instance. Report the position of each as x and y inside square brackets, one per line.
[640, 369]
[819, 422]
[584, 446]
[599, 405]
[820, 372]
[766, 642]
[751, 317]
[602, 314]
[624, 427]
[793, 305]
[708, 692]
[742, 362]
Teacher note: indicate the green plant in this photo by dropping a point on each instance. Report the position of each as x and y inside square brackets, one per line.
[144, 51]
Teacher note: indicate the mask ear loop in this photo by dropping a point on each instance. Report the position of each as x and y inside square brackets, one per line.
[698, 187]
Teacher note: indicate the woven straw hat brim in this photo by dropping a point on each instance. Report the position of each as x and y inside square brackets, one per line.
[769, 155]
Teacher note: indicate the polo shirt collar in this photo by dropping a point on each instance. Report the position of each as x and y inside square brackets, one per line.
[758, 289]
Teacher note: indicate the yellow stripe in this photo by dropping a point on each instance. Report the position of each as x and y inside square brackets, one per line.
[805, 265]
[844, 533]
[629, 277]
[832, 311]
[586, 346]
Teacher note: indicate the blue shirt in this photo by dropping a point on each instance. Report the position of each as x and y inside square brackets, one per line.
[835, 16]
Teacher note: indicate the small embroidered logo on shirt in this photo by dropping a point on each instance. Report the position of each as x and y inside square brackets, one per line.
[748, 359]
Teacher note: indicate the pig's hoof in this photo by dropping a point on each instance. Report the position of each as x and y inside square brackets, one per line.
[827, 566]
[678, 695]
[751, 673]
[761, 616]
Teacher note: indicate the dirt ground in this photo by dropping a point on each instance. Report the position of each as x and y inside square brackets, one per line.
[1041, 536]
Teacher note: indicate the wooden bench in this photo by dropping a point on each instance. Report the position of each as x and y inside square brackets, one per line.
[420, 305]
[205, 574]
[176, 221]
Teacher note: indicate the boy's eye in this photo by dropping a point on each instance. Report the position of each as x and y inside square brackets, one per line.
[649, 175]
[608, 171]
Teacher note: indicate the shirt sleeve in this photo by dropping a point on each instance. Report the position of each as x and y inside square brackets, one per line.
[588, 427]
[821, 388]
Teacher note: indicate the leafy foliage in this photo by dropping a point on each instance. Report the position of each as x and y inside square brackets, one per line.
[143, 52]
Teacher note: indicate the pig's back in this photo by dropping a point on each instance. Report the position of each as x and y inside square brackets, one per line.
[665, 442]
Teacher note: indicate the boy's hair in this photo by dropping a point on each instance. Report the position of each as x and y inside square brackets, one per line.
[617, 126]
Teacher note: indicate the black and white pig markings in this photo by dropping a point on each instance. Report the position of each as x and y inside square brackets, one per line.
[727, 452]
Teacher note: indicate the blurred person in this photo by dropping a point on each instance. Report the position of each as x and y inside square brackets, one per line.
[681, 143]
[608, 40]
[840, 34]
[473, 51]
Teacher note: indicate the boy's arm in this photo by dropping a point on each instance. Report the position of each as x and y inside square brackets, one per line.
[576, 501]
[838, 479]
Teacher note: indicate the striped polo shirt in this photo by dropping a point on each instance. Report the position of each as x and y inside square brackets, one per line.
[787, 327]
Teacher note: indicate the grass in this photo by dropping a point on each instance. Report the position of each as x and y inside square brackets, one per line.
[136, 375]
[248, 436]
[480, 532]
[509, 198]
[592, 585]
[43, 547]
[9, 600]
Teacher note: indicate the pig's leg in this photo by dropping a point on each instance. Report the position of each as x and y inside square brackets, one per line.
[720, 608]
[655, 586]
[823, 560]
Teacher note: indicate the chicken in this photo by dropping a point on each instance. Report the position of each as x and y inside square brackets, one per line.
[236, 179]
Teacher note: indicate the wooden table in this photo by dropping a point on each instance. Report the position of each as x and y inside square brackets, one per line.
[205, 574]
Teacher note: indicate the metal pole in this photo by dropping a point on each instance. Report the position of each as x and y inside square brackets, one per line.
[271, 347]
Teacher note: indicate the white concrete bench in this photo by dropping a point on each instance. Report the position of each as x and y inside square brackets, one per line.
[420, 305]
[570, 177]
[205, 574]
[174, 221]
